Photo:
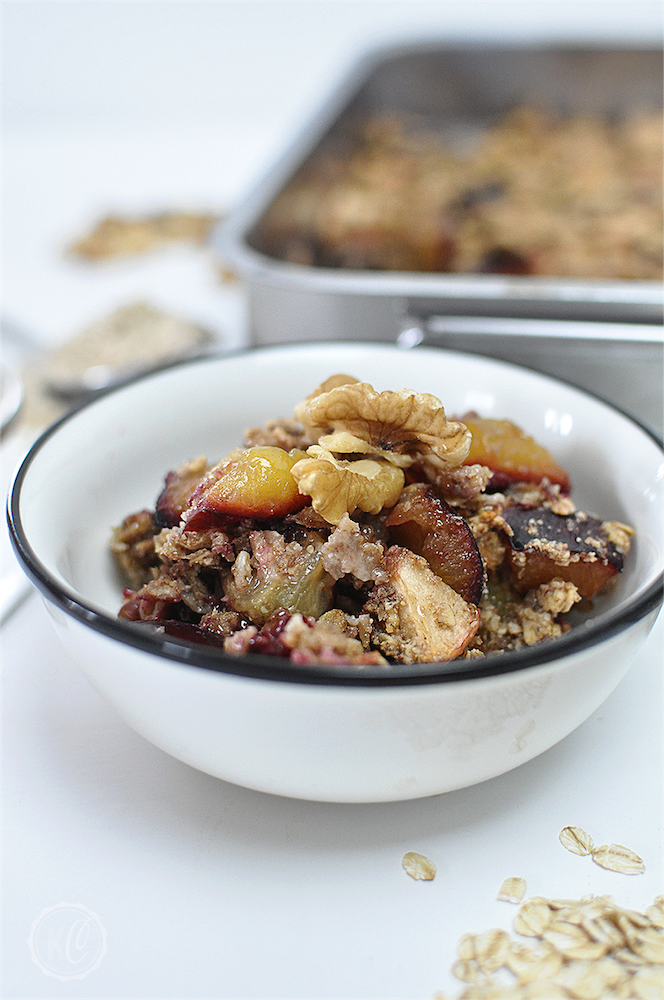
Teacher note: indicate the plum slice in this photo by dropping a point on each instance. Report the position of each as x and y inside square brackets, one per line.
[177, 491]
[511, 454]
[186, 632]
[254, 483]
[544, 546]
[424, 523]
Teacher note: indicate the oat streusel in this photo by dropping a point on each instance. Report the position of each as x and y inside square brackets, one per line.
[351, 534]
[575, 196]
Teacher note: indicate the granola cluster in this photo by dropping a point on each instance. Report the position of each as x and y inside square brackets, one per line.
[368, 529]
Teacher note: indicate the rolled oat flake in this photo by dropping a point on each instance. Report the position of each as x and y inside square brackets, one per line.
[512, 890]
[587, 949]
[418, 867]
[576, 840]
[617, 858]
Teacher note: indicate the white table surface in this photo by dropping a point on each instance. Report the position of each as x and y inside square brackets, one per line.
[206, 890]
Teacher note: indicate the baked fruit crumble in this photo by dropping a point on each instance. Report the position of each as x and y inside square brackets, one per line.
[532, 192]
[369, 529]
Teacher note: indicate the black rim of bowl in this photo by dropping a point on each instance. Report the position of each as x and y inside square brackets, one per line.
[152, 640]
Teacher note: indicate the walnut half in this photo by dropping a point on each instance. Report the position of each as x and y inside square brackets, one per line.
[338, 487]
[401, 426]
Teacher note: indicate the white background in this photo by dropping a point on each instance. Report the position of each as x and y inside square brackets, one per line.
[206, 890]
[126, 106]
[133, 63]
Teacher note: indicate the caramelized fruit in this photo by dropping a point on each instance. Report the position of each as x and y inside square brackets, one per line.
[254, 483]
[291, 577]
[424, 523]
[417, 616]
[546, 546]
[511, 454]
[177, 491]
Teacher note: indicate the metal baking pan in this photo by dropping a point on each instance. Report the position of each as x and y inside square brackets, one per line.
[457, 88]
[604, 336]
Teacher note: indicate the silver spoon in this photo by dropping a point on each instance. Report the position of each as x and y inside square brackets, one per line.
[139, 340]
[12, 394]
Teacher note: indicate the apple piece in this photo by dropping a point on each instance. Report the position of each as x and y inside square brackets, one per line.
[544, 546]
[252, 483]
[426, 524]
[511, 453]
[417, 617]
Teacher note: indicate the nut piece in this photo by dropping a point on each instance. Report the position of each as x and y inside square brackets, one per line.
[418, 867]
[338, 487]
[512, 890]
[392, 424]
[576, 840]
[617, 858]
[333, 382]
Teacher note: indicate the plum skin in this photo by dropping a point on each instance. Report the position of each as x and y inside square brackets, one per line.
[426, 524]
[256, 483]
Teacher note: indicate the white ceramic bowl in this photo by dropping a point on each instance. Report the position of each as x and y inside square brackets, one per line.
[328, 733]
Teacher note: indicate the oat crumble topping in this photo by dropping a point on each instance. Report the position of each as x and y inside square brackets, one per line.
[538, 194]
[388, 550]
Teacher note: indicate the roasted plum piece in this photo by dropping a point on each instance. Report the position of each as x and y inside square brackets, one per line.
[544, 546]
[502, 260]
[426, 524]
[512, 455]
[176, 494]
[250, 483]
[186, 632]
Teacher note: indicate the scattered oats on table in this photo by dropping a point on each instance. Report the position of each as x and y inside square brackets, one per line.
[613, 857]
[576, 840]
[418, 867]
[512, 890]
[617, 858]
[585, 949]
[118, 236]
[134, 337]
